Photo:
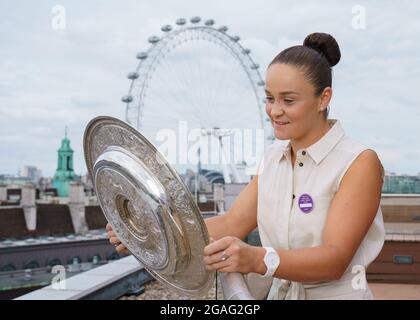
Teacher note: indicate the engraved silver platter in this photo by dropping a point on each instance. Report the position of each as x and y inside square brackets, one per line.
[148, 206]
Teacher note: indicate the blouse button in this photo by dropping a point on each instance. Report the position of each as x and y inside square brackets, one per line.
[300, 164]
[294, 196]
[303, 153]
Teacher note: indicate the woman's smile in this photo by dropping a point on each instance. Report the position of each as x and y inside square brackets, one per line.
[280, 124]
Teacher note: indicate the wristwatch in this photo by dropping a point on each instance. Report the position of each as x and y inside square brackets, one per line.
[271, 260]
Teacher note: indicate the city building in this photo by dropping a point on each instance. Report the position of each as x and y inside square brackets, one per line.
[31, 173]
[65, 172]
[399, 184]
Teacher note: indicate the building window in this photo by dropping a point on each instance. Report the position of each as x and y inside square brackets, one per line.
[54, 262]
[8, 267]
[114, 256]
[96, 259]
[31, 265]
[75, 260]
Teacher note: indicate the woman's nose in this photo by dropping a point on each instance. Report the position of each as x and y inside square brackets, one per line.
[276, 111]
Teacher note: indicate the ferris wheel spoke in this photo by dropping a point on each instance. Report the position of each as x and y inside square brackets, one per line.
[179, 81]
[203, 76]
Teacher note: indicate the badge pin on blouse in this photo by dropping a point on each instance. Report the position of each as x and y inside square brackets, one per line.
[306, 203]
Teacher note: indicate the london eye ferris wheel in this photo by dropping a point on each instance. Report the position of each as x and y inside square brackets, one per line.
[197, 75]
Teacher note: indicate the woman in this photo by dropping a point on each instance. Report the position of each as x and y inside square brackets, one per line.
[315, 201]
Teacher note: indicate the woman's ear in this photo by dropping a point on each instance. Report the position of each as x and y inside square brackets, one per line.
[325, 98]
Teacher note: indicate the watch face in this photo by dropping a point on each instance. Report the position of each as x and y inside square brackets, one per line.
[272, 259]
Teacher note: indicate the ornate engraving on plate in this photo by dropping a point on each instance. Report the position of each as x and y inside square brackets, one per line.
[148, 206]
[142, 225]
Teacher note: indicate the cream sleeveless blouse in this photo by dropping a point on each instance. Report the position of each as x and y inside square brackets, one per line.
[284, 220]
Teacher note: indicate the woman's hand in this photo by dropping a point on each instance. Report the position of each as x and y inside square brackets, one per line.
[113, 239]
[230, 254]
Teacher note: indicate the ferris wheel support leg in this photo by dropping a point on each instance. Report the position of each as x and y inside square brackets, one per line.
[226, 174]
[235, 173]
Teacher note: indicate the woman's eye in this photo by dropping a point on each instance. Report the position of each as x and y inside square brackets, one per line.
[288, 101]
[269, 99]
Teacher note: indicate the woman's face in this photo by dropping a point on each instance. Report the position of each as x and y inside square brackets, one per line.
[291, 103]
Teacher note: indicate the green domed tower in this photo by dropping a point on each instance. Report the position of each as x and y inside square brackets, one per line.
[64, 173]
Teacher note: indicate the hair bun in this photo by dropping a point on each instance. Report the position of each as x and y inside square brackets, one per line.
[325, 44]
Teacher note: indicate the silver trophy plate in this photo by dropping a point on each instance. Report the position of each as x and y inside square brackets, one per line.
[148, 206]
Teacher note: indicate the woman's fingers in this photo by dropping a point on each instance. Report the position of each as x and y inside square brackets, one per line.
[216, 254]
[217, 257]
[114, 241]
[229, 254]
[217, 246]
[218, 265]
[121, 249]
[111, 234]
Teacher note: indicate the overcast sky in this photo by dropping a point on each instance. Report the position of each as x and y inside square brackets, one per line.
[50, 78]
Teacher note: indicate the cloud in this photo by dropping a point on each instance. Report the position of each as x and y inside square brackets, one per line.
[50, 79]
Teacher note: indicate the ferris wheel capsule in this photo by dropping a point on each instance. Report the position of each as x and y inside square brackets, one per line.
[153, 39]
[181, 21]
[209, 22]
[141, 55]
[166, 28]
[255, 66]
[195, 20]
[127, 99]
[236, 38]
[223, 29]
[133, 75]
[246, 51]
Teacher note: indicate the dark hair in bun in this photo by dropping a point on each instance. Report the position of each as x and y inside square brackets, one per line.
[315, 57]
[326, 45]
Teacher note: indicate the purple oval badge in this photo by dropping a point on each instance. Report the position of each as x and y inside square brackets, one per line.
[306, 204]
